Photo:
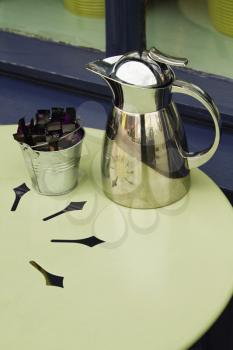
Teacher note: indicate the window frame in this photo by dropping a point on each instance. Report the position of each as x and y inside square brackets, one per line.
[125, 31]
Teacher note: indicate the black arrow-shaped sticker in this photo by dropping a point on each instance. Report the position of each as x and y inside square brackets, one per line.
[19, 192]
[71, 207]
[90, 241]
[51, 280]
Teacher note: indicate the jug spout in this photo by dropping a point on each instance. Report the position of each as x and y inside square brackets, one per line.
[136, 85]
[100, 67]
[105, 68]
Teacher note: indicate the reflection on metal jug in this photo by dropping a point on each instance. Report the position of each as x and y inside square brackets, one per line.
[145, 161]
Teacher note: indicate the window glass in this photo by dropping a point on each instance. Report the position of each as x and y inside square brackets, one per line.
[201, 30]
[75, 22]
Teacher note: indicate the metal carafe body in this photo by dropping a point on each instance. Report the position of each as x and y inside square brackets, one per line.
[145, 160]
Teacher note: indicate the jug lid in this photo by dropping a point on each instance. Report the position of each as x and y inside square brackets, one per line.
[147, 69]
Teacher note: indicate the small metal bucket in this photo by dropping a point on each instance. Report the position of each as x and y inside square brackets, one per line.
[53, 172]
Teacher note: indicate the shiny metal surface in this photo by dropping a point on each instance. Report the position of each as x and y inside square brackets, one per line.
[141, 70]
[133, 99]
[136, 99]
[157, 55]
[196, 159]
[54, 172]
[146, 162]
[134, 69]
[141, 164]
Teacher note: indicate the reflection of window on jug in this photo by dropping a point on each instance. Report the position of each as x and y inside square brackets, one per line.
[151, 136]
[132, 129]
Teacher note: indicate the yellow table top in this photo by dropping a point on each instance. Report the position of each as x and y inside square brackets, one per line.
[159, 282]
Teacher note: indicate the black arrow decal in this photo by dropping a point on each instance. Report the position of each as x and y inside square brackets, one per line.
[90, 241]
[71, 207]
[51, 280]
[19, 192]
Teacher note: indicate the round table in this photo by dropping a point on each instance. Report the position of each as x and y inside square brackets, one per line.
[158, 281]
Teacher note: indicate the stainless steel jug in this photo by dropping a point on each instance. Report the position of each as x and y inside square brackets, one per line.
[145, 160]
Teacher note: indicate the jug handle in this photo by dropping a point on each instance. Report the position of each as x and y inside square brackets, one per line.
[196, 159]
